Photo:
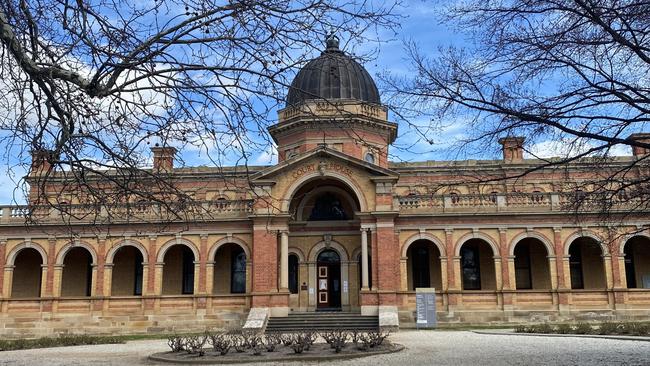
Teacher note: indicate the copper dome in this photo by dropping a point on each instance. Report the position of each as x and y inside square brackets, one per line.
[333, 75]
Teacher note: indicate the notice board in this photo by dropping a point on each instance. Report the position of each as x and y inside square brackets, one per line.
[425, 305]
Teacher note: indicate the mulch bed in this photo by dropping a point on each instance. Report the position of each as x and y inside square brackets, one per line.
[317, 352]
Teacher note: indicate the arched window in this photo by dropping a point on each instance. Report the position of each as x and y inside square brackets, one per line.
[477, 265]
[229, 270]
[471, 266]
[575, 266]
[293, 273]
[370, 158]
[637, 262]
[77, 273]
[586, 264]
[329, 256]
[127, 272]
[27, 274]
[420, 268]
[238, 271]
[178, 271]
[328, 206]
[523, 276]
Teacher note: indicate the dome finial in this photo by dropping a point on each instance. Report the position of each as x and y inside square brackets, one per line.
[332, 41]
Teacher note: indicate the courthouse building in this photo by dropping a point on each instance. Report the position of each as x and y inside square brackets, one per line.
[333, 226]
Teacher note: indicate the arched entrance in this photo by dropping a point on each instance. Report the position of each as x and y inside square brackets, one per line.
[325, 224]
[328, 271]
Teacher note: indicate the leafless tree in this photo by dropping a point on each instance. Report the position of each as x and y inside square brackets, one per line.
[575, 71]
[93, 84]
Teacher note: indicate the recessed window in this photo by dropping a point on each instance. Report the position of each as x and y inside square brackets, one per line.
[293, 273]
[370, 158]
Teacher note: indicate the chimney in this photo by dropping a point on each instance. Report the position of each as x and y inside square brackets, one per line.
[513, 149]
[163, 158]
[41, 161]
[641, 137]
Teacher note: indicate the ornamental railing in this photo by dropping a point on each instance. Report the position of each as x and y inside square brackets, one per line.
[120, 213]
[514, 202]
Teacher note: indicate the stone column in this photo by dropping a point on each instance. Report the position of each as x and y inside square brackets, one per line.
[444, 282]
[209, 277]
[108, 274]
[7, 279]
[57, 277]
[512, 278]
[284, 260]
[364, 259]
[44, 275]
[559, 253]
[607, 266]
[552, 270]
[621, 269]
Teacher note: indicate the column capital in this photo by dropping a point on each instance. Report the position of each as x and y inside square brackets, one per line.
[449, 230]
[557, 229]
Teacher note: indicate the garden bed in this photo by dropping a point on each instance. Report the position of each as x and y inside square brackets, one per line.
[239, 347]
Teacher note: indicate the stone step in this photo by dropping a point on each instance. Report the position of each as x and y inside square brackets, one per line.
[321, 321]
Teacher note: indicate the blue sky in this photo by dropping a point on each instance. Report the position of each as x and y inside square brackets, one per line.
[421, 24]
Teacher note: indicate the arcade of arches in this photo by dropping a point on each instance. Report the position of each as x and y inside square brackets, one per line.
[326, 260]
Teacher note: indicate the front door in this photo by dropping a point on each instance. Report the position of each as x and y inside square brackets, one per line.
[328, 281]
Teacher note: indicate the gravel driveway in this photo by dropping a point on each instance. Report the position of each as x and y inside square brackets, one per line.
[423, 348]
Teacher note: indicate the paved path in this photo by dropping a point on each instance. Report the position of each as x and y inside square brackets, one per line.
[424, 348]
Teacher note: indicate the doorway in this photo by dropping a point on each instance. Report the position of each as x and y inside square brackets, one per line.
[328, 276]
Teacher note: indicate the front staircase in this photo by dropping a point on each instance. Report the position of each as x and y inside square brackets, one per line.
[322, 321]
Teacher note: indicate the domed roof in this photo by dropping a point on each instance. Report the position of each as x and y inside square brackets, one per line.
[333, 75]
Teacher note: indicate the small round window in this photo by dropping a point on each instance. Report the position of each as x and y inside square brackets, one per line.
[370, 157]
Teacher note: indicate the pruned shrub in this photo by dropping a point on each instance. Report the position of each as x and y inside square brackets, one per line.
[194, 344]
[301, 342]
[606, 328]
[220, 342]
[544, 328]
[271, 341]
[239, 343]
[176, 343]
[583, 328]
[564, 329]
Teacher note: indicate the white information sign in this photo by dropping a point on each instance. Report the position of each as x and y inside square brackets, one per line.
[425, 305]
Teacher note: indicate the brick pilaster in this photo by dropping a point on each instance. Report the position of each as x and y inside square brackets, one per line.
[203, 255]
[504, 253]
[101, 260]
[559, 252]
[51, 261]
[449, 247]
[3, 261]
[152, 265]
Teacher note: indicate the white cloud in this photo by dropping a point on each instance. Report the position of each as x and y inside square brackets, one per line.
[569, 148]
